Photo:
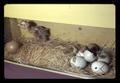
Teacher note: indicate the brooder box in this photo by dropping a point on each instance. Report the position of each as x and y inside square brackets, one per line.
[54, 56]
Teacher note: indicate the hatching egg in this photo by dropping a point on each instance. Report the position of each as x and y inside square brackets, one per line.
[12, 46]
[103, 57]
[78, 62]
[89, 56]
[99, 67]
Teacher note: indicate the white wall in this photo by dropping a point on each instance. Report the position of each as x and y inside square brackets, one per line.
[99, 15]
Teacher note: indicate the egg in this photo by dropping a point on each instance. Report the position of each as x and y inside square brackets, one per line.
[99, 67]
[78, 62]
[89, 56]
[103, 57]
[12, 46]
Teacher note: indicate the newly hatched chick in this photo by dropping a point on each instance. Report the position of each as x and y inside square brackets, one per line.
[94, 48]
[40, 32]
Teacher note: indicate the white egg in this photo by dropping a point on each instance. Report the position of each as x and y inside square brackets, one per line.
[78, 62]
[89, 56]
[104, 57]
[99, 67]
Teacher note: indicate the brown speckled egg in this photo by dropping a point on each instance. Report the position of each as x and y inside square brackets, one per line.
[12, 46]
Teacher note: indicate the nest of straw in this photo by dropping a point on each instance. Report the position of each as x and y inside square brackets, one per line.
[54, 55]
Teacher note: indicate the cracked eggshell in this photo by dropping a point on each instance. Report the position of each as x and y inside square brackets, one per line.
[99, 67]
[81, 51]
[89, 56]
[104, 57]
[80, 54]
[78, 62]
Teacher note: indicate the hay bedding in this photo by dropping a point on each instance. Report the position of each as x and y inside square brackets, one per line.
[54, 54]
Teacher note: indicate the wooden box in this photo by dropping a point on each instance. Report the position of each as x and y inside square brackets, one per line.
[65, 32]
